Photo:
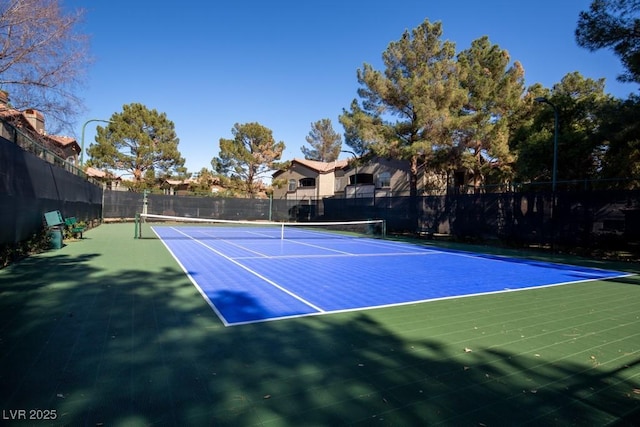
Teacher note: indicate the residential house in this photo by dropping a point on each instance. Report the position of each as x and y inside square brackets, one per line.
[172, 187]
[30, 123]
[108, 180]
[66, 147]
[376, 177]
[308, 179]
[178, 187]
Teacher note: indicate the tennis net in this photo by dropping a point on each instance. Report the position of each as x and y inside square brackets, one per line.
[184, 227]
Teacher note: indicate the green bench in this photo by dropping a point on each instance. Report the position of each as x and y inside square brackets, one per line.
[74, 227]
[55, 221]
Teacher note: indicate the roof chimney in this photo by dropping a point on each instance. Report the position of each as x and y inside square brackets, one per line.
[36, 119]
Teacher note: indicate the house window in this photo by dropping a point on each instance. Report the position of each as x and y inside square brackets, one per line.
[361, 178]
[308, 182]
[292, 185]
[384, 180]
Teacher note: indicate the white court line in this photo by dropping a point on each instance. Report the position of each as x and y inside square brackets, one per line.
[255, 273]
[321, 247]
[234, 244]
[269, 236]
[322, 312]
[482, 256]
[425, 300]
[345, 255]
[355, 240]
[407, 246]
[194, 282]
[272, 238]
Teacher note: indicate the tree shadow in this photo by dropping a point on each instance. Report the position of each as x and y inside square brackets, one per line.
[132, 347]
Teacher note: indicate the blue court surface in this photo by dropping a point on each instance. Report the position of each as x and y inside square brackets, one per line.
[254, 275]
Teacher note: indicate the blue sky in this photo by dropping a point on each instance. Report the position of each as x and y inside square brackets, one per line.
[286, 64]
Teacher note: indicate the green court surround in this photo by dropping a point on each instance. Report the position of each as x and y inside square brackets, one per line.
[108, 330]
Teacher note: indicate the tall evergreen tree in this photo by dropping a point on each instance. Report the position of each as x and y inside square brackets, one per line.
[137, 140]
[494, 95]
[249, 155]
[324, 141]
[581, 147]
[407, 109]
[620, 131]
[613, 24]
[355, 123]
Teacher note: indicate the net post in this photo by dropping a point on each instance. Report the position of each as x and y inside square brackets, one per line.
[384, 228]
[282, 231]
[137, 226]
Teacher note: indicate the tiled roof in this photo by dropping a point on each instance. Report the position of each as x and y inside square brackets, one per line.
[13, 115]
[321, 166]
[174, 182]
[96, 173]
[62, 140]
[9, 112]
[21, 120]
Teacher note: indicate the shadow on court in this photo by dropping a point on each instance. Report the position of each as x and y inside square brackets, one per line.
[114, 337]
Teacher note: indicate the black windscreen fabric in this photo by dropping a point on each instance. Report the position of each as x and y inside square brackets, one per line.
[30, 186]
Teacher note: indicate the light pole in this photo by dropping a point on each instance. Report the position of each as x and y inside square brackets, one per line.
[82, 140]
[355, 177]
[544, 100]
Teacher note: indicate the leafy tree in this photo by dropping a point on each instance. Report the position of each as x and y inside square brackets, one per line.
[137, 141]
[324, 141]
[613, 24]
[149, 181]
[407, 109]
[581, 149]
[355, 123]
[620, 130]
[494, 96]
[579, 101]
[43, 58]
[249, 155]
[203, 180]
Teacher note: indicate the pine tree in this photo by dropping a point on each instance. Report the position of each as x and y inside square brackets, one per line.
[410, 107]
[249, 155]
[137, 140]
[324, 141]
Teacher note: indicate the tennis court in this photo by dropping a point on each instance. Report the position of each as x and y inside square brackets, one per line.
[109, 330]
[256, 273]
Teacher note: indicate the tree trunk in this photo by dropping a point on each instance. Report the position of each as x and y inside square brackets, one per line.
[413, 177]
[413, 194]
